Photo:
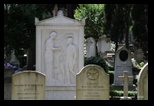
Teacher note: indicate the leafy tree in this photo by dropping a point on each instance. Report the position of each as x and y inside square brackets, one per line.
[93, 15]
[117, 22]
[19, 27]
[120, 19]
[140, 26]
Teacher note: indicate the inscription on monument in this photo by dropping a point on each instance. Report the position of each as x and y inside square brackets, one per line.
[91, 91]
[28, 91]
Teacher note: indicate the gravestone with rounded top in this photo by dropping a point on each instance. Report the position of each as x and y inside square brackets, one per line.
[142, 87]
[92, 83]
[103, 44]
[28, 85]
[91, 47]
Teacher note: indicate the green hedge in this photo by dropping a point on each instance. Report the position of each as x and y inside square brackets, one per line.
[96, 60]
[116, 94]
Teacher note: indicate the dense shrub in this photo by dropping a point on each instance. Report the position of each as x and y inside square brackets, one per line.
[111, 74]
[96, 60]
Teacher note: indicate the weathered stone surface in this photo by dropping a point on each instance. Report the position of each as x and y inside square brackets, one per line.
[59, 54]
[28, 85]
[92, 83]
[142, 87]
[122, 63]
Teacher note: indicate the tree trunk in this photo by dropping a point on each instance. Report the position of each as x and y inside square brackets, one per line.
[70, 10]
[31, 58]
[127, 34]
[97, 54]
[116, 46]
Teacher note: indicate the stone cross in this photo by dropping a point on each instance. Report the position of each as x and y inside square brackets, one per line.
[126, 79]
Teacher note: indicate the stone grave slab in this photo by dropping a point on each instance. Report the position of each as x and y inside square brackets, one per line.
[92, 83]
[28, 85]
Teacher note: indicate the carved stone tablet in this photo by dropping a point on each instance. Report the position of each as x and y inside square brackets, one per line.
[92, 83]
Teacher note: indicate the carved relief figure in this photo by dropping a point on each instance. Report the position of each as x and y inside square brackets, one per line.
[49, 49]
[60, 74]
[71, 56]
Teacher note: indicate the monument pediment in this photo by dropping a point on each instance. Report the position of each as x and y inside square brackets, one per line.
[58, 20]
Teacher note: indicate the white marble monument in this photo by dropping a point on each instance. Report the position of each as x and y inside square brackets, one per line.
[59, 54]
[91, 47]
[142, 83]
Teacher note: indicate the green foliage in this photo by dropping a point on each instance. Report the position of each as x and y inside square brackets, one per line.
[19, 25]
[122, 18]
[117, 20]
[110, 68]
[138, 65]
[94, 17]
[111, 74]
[140, 25]
[116, 94]
[96, 60]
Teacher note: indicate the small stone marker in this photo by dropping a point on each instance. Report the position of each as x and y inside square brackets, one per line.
[126, 79]
[92, 83]
[28, 85]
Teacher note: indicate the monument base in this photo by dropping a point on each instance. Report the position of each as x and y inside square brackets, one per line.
[120, 87]
[60, 92]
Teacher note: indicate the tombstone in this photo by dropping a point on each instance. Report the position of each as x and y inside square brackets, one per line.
[122, 63]
[8, 83]
[142, 83]
[14, 60]
[126, 79]
[59, 54]
[91, 47]
[28, 85]
[92, 83]
[103, 44]
[138, 55]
